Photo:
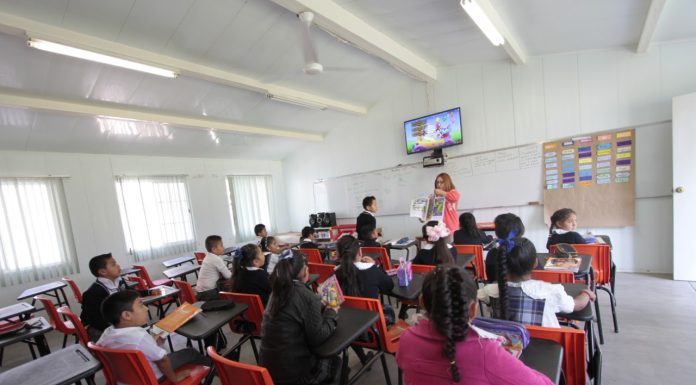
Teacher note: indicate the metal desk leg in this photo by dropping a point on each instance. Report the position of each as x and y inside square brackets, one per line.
[42, 345]
[344, 368]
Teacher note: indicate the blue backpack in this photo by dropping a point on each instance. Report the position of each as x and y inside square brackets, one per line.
[515, 335]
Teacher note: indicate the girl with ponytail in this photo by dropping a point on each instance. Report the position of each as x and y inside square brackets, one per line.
[359, 276]
[517, 297]
[436, 251]
[248, 275]
[294, 323]
[445, 349]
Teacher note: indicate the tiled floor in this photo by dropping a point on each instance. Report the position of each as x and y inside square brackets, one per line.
[656, 343]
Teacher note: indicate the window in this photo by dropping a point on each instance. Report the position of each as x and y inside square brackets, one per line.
[156, 216]
[251, 198]
[36, 240]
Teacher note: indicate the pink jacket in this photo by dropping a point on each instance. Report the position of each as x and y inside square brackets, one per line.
[481, 361]
[451, 218]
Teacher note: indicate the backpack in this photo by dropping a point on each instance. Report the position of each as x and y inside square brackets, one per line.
[515, 337]
[565, 250]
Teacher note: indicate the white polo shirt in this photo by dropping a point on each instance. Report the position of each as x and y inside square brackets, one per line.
[134, 338]
[212, 268]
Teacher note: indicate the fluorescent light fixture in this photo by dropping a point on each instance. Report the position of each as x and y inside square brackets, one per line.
[214, 136]
[297, 102]
[482, 21]
[130, 127]
[61, 49]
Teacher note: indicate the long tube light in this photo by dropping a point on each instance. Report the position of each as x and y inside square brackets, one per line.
[297, 102]
[482, 21]
[61, 49]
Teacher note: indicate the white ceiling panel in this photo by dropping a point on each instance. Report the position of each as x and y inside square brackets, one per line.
[678, 21]
[20, 70]
[151, 23]
[15, 126]
[40, 10]
[103, 19]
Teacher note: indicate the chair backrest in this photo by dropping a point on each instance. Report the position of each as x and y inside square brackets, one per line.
[601, 259]
[478, 263]
[53, 316]
[140, 283]
[125, 366]
[237, 373]
[253, 313]
[145, 275]
[75, 289]
[324, 270]
[552, 276]
[186, 293]
[573, 342]
[371, 304]
[313, 255]
[422, 269]
[382, 259]
[340, 230]
[77, 324]
[200, 256]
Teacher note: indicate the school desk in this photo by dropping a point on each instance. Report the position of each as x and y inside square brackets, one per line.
[130, 271]
[352, 323]
[174, 262]
[52, 289]
[66, 366]
[208, 323]
[21, 309]
[545, 357]
[584, 271]
[584, 315]
[181, 271]
[464, 259]
[392, 245]
[33, 335]
[410, 292]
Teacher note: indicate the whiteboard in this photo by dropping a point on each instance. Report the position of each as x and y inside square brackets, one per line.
[506, 177]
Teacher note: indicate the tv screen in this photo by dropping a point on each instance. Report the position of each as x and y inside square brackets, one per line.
[432, 132]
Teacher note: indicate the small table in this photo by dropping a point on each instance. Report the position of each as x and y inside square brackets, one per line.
[129, 271]
[178, 261]
[545, 357]
[21, 309]
[230, 250]
[181, 271]
[205, 324]
[53, 289]
[401, 246]
[463, 260]
[585, 315]
[584, 271]
[66, 366]
[37, 329]
[163, 292]
[410, 292]
[352, 323]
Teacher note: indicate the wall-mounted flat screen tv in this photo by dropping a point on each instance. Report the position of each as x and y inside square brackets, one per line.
[433, 132]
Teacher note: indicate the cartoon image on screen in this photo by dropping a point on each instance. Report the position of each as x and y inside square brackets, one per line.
[433, 131]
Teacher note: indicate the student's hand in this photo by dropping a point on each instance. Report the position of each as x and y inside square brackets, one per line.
[590, 294]
[159, 339]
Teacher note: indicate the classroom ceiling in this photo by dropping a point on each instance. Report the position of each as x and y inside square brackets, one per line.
[260, 40]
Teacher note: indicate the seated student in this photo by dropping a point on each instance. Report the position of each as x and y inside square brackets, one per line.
[368, 235]
[127, 314]
[468, 233]
[436, 251]
[307, 241]
[367, 217]
[562, 229]
[212, 270]
[359, 276]
[248, 275]
[271, 250]
[260, 231]
[293, 324]
[444, 349]
[108, 273]
[522, 299]
[506, 226]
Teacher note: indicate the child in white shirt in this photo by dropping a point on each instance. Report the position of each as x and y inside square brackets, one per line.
[213, 267]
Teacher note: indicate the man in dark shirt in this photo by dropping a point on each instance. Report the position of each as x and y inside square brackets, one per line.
[367, 217]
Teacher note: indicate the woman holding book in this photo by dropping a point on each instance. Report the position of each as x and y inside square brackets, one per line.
[445, 188]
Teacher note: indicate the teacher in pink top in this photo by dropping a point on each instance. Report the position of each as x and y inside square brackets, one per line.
[445, 188]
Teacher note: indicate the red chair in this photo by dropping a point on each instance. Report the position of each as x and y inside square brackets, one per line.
[186, 293]
[250, 324]
[324, 271]
[553, 276]
[159, 305]
[313, 255]
[573, 341]
[389, 337]
[421, 269]
[131, 367]
[75, 289]
[477, 263]
[379, 254]
[80, 331]
[146, 276]
[65, 327]
[341, 230]
[200, 256]
[237, 373]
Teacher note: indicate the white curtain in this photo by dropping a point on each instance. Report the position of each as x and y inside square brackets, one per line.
[251, 199]
[36, 239]
[156, 216]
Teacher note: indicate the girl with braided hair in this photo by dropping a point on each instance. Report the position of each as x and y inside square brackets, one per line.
[517, 297]
[445, 349]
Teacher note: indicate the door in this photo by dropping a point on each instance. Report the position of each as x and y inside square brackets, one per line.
[684, 189]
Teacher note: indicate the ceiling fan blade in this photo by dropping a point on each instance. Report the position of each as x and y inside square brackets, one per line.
[344, 69]
[308, 47]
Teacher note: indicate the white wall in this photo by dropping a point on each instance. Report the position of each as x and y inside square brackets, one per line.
[93, 208]
[503, 105]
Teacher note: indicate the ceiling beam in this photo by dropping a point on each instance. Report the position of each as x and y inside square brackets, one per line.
[511, 46]
[36, 29]
[335, 19]
[13, 98]
[650, 25]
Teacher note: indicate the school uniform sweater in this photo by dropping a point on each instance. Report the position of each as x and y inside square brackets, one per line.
[93, 297]
[372, 281]
[571, 237]
[253, 280]
[462, 238]
[365, 218]
[308, 244]
[426, 256]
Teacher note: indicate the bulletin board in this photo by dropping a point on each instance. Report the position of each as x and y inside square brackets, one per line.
[595, 175]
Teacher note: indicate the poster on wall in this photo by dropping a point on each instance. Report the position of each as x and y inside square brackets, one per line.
[594, 175]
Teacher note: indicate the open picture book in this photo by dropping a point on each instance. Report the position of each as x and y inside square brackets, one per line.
[175, 319]
[330, 292]
[430, 208]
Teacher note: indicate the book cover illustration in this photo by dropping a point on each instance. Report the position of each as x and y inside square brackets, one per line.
[330, 292]
[565, 264]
